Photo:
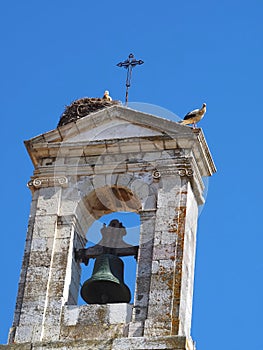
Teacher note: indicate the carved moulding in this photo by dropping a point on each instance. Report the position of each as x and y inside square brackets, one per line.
[48, 182]
[177, 171]
[187, 170]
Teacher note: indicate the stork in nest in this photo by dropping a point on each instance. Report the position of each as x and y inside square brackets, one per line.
[194, 116]
[106, 96]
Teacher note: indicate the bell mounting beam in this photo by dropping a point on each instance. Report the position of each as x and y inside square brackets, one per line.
[83, 255]
[129, 64]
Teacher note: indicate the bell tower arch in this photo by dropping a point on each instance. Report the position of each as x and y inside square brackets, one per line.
[113, 159]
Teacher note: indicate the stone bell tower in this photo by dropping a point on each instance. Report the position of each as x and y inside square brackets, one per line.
[104, 158]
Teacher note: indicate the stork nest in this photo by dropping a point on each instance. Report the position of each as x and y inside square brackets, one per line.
[82, 107]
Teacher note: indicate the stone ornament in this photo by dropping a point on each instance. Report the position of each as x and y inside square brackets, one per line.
[185, 172]
[49, 182]
[181, 172]
[156, 174]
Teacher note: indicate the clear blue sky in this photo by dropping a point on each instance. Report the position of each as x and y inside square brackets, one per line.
[53, 52]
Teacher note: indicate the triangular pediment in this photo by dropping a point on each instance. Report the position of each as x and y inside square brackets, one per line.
[115, 128]
[122, 124]
[116, 122]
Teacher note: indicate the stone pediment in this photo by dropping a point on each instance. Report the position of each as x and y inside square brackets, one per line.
[114, 129]
[120, 124]
[116, 122]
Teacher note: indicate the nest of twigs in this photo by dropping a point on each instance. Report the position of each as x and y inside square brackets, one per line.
[82, 107]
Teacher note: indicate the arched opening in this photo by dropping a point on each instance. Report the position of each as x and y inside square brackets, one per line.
[108, 199]
[95, 213]
[131, 222]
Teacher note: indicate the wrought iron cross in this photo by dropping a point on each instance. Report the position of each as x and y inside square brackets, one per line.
[128, 64]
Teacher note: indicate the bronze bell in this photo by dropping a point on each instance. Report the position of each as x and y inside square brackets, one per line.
[106, 283]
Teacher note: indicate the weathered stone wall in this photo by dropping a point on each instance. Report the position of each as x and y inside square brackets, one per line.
[170, 299]
[95, 321]
[139, 343]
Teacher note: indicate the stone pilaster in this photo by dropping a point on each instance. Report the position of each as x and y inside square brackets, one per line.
[170, 299]
[144, 272]
[46, 282]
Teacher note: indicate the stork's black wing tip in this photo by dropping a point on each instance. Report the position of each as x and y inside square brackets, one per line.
[189, 115]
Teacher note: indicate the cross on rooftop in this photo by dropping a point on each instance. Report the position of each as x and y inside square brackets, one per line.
[129, 64]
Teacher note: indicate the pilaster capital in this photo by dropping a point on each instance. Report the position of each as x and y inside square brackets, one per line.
[184, 167]
[51, 181]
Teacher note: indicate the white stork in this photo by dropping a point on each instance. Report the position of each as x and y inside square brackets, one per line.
[194, 116]
[106, 96]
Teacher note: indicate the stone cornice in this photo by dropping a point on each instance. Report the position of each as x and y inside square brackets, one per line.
[171, 135]
[198, 146]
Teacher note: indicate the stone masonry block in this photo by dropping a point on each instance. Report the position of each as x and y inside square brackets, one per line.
[160, 296]
[36, 273]
[26, 346]
[171, 186]
[140, 313]
[124, 179]
[162, 281]
[142, 284]
[39, 244]
[168, 238]
[166, 220]
[120, 313]
[111, 179]
[144, 269]
[31, 314]
[170, 144]
[133, 343]
[64, 232]
[154, 328]
[44, 226]
[167, 154]
[62, 244]
[39, 258]
[92, 332]
[145, 252]
[151, 156]
[135, 329]
[164, 251]
[147, 234]
[24, 334]
[33, 289]
[141, 299]
[150, 202]
[67, 207]
[48, 201]
[51, 331]
[99, 181]
[85, 315]
[56, 288]
[159, 312]
[129, 147]
[159, 266]
[153, 343]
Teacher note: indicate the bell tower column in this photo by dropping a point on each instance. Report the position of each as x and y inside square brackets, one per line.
[46, 282]
[171, 290]
[36, 274]
[144, 272]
